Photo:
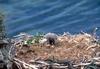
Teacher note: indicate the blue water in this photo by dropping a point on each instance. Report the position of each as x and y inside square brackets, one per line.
[57, 16]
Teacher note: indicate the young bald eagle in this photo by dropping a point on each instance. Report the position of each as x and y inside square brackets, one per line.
[51, 38]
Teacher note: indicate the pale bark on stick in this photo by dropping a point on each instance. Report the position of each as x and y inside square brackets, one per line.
[29, 65]
[43, 64]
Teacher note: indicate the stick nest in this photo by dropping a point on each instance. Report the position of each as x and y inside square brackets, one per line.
[80, 48]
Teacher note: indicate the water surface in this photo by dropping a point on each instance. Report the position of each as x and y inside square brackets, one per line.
[57, 16]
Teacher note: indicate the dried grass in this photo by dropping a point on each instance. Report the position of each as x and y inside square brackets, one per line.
[75, 48]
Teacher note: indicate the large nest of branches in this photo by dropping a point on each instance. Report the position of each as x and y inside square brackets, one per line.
[79, 48]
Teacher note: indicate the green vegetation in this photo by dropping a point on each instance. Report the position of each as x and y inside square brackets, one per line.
[38, 36]
[35, 39]
[2, 27]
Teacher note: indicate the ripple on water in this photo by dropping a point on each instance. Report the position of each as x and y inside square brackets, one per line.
[50, 15]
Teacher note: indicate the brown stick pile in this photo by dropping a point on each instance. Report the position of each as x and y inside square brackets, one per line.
[70, 52]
